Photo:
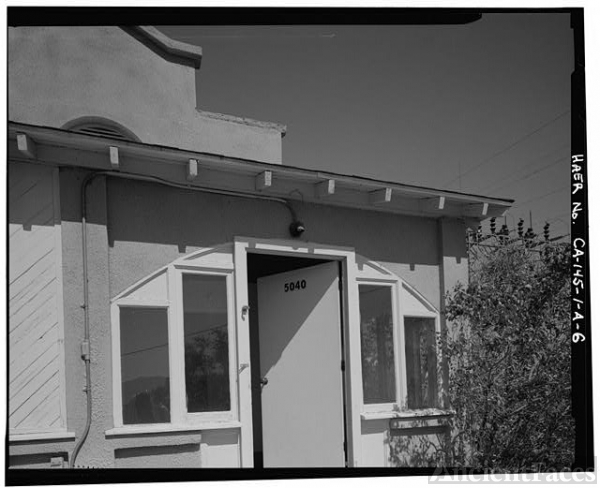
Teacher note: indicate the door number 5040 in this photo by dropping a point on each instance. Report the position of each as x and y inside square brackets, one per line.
[294, 285]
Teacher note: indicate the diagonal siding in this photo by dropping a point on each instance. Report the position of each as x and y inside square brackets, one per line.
[34, 336]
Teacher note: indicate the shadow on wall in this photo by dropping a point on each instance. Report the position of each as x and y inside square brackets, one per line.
[280, 341]
[39, 460]
[150, 213]
[416, 450]
[173, 456]
[155, 450]
[30, 197]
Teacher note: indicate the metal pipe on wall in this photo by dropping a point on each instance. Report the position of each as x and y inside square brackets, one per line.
[85, 345]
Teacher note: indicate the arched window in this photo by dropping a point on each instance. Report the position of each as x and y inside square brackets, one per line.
[182, 311]
[175, 354]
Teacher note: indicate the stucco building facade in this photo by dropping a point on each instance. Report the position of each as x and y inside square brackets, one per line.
[179, 297]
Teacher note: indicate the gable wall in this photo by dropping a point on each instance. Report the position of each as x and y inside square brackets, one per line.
[105, 72]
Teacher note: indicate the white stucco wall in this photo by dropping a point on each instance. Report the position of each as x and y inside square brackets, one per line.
[105, 72]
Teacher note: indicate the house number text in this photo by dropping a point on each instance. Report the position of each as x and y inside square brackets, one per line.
[294, 285]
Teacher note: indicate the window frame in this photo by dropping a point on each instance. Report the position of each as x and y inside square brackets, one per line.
[399, 380]
[117, 378]
[194, 418]
[181, 419]
[400, 310]
[436, 330]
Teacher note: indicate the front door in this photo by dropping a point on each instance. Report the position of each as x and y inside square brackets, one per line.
[300, 363]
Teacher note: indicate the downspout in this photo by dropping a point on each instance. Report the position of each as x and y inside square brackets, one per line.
[85, 345]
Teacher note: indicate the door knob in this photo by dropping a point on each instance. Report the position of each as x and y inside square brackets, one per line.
[263, 381]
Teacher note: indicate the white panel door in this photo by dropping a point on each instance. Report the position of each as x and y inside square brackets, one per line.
[300, 359]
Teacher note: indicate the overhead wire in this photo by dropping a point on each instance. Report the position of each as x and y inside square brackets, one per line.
[521, 174]
[526, 176]
[508, 148]
[542, 196]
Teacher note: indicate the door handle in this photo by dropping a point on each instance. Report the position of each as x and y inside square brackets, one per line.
[245, 310]
[263, 381]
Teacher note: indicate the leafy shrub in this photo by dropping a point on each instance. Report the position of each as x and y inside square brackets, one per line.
[508, 353]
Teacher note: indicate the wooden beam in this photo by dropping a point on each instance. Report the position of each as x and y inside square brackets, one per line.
[434, 204]
[26, 145]
[114, 157]
[476, 210]
[380, 196]
[325, 188]
[192, 170]
[264, 180]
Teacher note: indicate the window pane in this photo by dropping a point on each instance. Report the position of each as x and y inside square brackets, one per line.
[421, 362]
[377, 344]
[206, 343]
[145, 365]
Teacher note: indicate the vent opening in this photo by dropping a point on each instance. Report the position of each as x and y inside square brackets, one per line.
[100, 127]
[102, 131]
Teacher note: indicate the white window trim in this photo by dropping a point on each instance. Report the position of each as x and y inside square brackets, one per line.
[116, 339]
[180, 419]
[399, 373]
[400, 310]
[140, 429]
[408, 414]
[193, 418]
[426, 311]
[222, 262]
[436, 317]
[23, 435]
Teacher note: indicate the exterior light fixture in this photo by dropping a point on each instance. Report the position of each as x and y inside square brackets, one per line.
[296, 228]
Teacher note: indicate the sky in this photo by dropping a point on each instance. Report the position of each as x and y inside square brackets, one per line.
[482, 108]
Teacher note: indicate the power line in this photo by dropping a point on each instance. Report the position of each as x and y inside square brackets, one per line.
[529, 175]
[518, 141]
[554, 218]
[542, 196]
[556, 222]
[516, 176]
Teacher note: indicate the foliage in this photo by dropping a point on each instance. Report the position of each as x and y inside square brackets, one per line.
[508, 352]
[409, 451]
[207, 370]
[377, 350]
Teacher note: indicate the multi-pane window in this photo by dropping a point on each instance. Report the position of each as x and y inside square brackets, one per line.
[206, 343]
[377, 344]
[421, 362]
[174, 350]
[399, 358]
[145, 391]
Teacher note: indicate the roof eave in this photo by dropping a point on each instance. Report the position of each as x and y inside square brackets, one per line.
[255, 177]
